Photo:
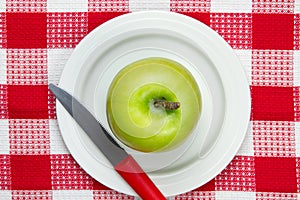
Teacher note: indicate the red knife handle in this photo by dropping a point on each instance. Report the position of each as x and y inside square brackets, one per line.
[134, 175]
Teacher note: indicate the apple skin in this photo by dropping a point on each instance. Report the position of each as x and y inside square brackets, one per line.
[131, 113]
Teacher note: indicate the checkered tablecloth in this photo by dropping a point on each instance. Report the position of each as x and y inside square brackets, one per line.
[38, 36]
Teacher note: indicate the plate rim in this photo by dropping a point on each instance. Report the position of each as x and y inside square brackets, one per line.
[62, 84]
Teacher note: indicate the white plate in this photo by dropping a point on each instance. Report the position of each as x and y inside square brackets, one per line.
[220, 76]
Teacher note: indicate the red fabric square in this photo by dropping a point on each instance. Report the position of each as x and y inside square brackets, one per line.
[31, 195]
[5, 172]
[190, 6]
[30, 172]
[274, 139]
[66, 174]
[28, 101]
[66, 30]
[3, 32]
[270, 7]
[275, 174]
[97, 18]
[26, 6]
[27, 66]
[272, 103]
[110, 194]
[239, 175]
[272, 68]
[202, 17]
[235, 28]
[108, 6]
[272, 31]
[29, 136]
[26, 30]
[3, 102]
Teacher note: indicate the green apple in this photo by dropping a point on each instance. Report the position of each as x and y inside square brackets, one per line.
[153, 104]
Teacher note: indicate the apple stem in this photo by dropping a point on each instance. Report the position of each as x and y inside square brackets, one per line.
[169, 105]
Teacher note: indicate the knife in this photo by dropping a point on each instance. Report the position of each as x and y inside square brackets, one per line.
[122, 162]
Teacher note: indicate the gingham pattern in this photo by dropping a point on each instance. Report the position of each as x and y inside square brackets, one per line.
[36, 40]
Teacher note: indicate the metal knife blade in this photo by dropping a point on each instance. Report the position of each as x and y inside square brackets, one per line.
[122, 162]
[98, 134]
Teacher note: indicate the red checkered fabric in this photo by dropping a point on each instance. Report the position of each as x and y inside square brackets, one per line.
[29, 137]
[274, 139]
[266, 6]
[108, 6]
[65, 30]
[189, 6]
[238, 176]
[26, 6]
[27, 67]
[38, 36]
[66, 174]
[272, 68]
[235, 28]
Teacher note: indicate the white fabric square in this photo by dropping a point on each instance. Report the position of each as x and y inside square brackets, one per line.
[274, 138]
[57, 145]
[245, 59]
[272, 68]
[5, 195]
[67, 5]
[108, 6]
[4, 137]
[297, 6]
[247, 148]
[112, 194]
[190, 6]
[57, 59]
[271, 6]
[31, 194]
[139, 5]
[2, 8]
[226, 6]
[66, 30]
[275, 196]
[27, 66]
[195, 194]
[29, 136]
[235, 195]
[72, 194]
[26, 6]
[3, 67]
[296, 68]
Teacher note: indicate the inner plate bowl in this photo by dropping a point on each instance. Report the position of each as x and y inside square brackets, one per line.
[220, 77]
[103, 64]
